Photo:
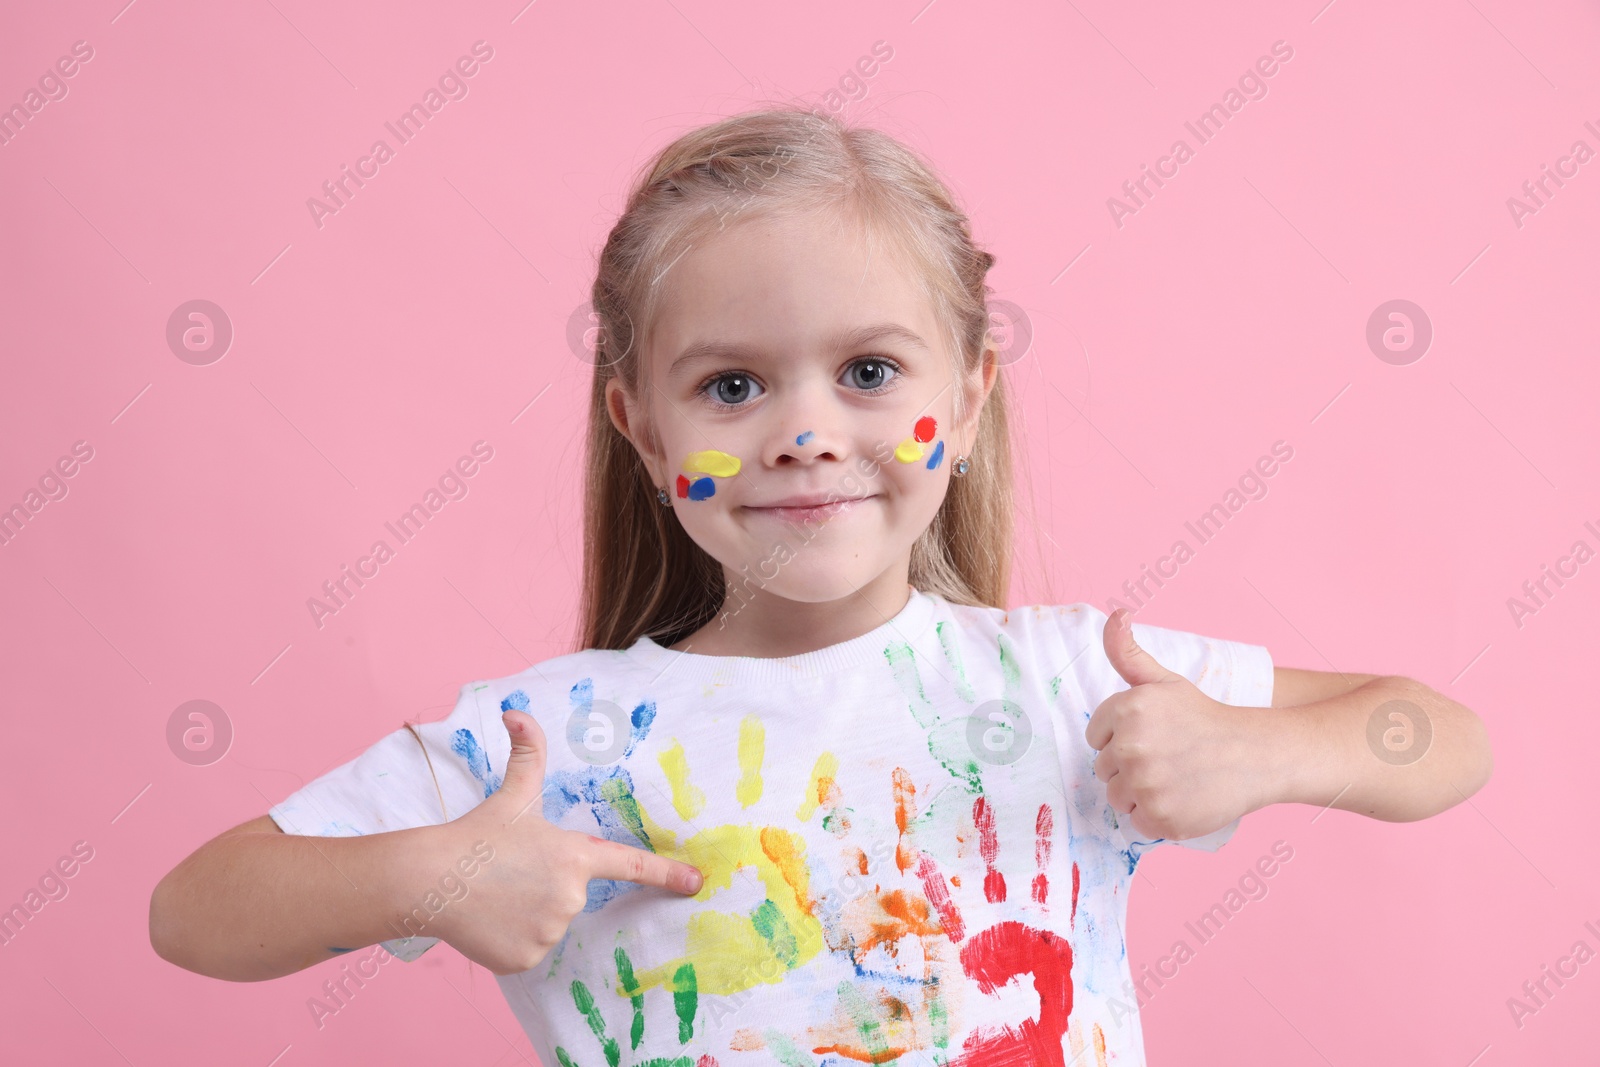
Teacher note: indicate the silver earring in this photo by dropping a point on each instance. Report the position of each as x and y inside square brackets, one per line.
[960, 466]
[661, 495]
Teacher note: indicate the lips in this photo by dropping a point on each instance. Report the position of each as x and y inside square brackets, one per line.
[807, 508]
[805, 500]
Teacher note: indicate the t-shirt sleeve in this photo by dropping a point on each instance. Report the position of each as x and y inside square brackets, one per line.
[399, 783]
[1230, 672]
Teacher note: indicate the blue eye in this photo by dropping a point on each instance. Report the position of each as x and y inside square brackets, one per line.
[732, 389]
[872, 374]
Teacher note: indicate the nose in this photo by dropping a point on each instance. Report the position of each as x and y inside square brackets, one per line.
[799, 442]
[804, 433]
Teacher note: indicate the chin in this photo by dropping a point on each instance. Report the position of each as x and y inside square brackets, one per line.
[811, 576]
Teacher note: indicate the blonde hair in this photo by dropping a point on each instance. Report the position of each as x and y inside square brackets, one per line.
[642, 574]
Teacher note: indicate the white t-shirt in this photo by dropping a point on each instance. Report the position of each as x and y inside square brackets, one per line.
[904, 845]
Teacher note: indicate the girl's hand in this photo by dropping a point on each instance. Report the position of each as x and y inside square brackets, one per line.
[1181, 763]
[518, 905]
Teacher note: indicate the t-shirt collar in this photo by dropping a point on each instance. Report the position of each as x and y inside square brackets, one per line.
[907, 626]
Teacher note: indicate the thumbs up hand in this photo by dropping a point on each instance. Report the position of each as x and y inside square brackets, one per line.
[1175, 762]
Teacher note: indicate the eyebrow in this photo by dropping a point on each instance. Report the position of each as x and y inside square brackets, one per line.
[847, 339]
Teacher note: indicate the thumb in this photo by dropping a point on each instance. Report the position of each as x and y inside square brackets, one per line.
[524, 778]
[1136, 666]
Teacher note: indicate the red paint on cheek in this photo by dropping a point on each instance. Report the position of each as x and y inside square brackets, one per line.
[994, 883]
[683, 486]
[924, 429]
[994, 957]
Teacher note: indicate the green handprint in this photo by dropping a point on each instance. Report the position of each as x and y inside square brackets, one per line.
[685, 1000]
[950, 735]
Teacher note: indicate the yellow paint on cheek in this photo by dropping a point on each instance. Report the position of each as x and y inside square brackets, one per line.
[908, 451]
[717, 464]
[824, 770]
[752, 748]
[687, 798]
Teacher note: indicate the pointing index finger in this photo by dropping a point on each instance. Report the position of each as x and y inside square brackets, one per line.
[625, 863]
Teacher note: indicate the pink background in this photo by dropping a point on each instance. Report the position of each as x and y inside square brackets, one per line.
[1228, 313]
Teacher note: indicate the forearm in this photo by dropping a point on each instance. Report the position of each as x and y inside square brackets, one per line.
[246, 907]
[1432, 756]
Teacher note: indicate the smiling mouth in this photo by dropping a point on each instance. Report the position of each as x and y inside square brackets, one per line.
[818, 512]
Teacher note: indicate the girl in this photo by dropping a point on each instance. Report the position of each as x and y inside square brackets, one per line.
[809, 793]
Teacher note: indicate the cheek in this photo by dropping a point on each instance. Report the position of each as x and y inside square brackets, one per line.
[919, 475]
[922, 448]
[701, 472]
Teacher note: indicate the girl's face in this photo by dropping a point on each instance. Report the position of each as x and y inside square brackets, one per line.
[802, 394]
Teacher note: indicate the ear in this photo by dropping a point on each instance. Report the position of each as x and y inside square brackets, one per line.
[979, 383]
[628, 417]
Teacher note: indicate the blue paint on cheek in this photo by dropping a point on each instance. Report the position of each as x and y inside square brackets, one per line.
[701, 488]
[938, 454]
[803, 438]
[466, 746]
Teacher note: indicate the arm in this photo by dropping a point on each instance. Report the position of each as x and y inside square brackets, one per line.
[256, 903]
[1313, 745]
[1182, 764]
